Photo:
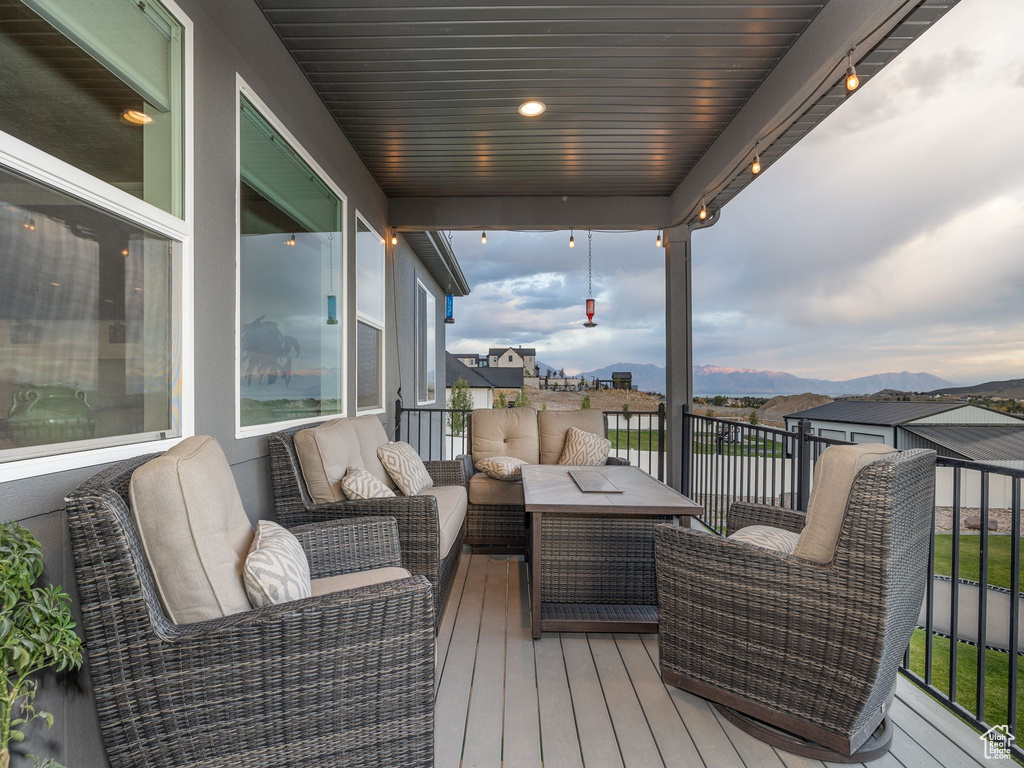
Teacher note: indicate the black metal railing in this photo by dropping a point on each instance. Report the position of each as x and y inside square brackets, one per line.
[444, 433]
[965, 652]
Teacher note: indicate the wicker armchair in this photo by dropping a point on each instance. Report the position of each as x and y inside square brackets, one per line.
[417, 518]
[810, 648]
[343, 679]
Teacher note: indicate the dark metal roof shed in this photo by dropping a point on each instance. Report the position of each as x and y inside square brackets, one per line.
[977, 442]
[882, 413]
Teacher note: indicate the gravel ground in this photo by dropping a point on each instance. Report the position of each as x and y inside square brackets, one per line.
[944, 519]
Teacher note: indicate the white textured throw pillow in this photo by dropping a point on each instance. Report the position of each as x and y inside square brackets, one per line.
[584, 449]
[502, 467]
[361, 484]
[276, 569]
[768, 537]
[405, 467]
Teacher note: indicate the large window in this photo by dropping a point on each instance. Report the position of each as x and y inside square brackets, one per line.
[94, 242]
[291, 280]
[98, 84]
[426, 350]
[369, 318]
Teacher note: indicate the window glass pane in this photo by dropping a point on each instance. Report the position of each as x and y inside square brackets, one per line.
[70, 72]
[89, 326]
[369, 273]
[426, 358]
[290, 250]
[369, 367]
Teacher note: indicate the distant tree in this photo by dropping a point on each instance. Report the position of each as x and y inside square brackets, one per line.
[502, 400]
[585, 405]
[561, 373]
[461, 399]
[719, 401]
[522, 400]
[625, 412]
[753, 416]
[543, 406]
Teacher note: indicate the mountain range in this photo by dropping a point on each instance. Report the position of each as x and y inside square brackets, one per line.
[1012, 388]
[719, 380]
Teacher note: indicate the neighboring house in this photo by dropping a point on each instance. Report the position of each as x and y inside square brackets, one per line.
[484, 383]
[472, 361]
[622, 379]
[512, 357]
[481, 390]
[955, 430]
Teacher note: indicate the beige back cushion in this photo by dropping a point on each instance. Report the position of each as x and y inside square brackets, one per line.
[371, 435]
[505, 432]
[326, 453]
[553, 426]
[194, 530]
[834, 474]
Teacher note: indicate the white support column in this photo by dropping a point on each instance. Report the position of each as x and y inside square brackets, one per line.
[678, 345]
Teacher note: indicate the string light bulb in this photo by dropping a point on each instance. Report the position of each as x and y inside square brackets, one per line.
[572, 240]
[483, 238]
[290, 241]
[755, 167]
[852, 81]
[394, 238]
[703, 210]
[658, 241]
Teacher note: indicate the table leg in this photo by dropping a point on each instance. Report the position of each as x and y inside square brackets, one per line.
[535, 572]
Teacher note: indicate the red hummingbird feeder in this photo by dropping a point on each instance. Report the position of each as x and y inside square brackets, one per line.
[591, 304]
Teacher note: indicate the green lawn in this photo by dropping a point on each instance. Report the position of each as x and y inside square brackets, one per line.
[756, 447]
[634, 439]
[999, 548]
[997, 675]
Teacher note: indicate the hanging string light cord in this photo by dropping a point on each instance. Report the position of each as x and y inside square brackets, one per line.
[798, 110]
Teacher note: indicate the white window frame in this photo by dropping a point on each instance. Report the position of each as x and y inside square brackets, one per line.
[23, 158]
[370, 321]
[242, 88]
[416, 384]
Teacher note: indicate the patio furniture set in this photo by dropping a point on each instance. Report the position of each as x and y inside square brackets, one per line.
[203, 654]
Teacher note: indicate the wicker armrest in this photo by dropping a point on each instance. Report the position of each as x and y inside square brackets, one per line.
[350, 545]
[455, 471]
[742, 514]
[418, 526]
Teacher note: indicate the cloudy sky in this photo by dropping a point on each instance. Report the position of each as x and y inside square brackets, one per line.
[891, 238]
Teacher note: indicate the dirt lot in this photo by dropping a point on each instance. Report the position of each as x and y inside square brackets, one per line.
[604, 400]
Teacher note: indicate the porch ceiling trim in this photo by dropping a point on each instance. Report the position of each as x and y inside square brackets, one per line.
[437, 256]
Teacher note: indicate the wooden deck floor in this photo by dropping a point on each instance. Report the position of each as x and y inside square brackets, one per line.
[597, 700]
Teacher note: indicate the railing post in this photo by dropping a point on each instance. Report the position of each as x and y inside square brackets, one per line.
[398, 420]
[684, 471]
[803, 478]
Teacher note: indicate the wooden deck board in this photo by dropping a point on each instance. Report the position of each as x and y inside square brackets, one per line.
[487, 700]
[597, 701]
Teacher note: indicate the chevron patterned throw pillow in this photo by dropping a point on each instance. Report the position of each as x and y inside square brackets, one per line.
[584, 449]
[360, 484]
[276, 569]
[405, 467]
[502, 467]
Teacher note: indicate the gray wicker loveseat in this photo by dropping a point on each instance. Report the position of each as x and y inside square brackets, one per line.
[431, 526]
[809, 646]
[497, 511]
[345, 678]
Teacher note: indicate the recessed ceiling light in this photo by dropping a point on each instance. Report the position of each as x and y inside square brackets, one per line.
[135, 117]
[532, 108]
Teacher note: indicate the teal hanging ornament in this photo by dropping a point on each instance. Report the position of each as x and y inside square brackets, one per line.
[332, 300]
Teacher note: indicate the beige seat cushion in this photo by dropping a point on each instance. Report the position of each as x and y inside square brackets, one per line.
[484, 489]
[193, 529]
[552, 427]
[371, 435]
[326, 453]
[768, 537]
[451, 513]
[834, 474]
[505, 432]
[368, 578]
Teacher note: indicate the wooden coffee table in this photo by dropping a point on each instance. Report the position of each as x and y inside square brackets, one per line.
[592, 554]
